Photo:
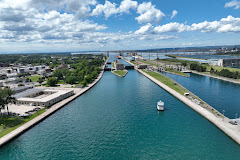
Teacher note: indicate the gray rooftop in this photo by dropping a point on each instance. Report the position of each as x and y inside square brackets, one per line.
[27, 92]
[22, 88]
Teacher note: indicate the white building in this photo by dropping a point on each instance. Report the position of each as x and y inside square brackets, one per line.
[42, 97]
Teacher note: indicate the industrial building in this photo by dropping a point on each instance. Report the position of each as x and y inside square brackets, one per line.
[42, 97]
[120, 66]
[142, 66]
[228, 62]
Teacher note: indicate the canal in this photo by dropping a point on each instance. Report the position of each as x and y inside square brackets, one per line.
[220, 94]
[118, 119]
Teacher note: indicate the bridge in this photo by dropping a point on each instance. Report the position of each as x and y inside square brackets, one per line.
[126, 67]
[129, 67]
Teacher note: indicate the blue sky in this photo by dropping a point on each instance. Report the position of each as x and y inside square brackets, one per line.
[86, 25]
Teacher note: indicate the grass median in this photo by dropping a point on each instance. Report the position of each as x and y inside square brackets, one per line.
[167, 81]
[120, 73]
[8, 124]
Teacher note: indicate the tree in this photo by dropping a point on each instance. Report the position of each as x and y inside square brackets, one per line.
[211, 70]
[40, 80]
[58, 73]
[94, 74]
[84, 82]
[88, 79]
[52, 81]
[81, 75]
[65, 72]
[71, 80]
[9, 98]
[6, 98]
[183, 64]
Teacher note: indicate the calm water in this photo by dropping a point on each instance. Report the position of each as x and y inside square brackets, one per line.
[118, 119]
[198, 60]
[211, 57]
[220, 94]
[154, 55]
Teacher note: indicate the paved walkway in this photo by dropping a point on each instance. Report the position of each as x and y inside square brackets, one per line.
[50, 111]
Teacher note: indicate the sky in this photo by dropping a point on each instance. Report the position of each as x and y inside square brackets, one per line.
[100, 25]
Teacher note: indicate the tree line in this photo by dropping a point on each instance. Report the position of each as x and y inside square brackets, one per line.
[226, 73]
[83, 72]
[198, 67]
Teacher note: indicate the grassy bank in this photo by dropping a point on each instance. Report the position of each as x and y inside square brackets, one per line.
[167, 81]
[133, 62]
[35, 78]
[150, 63]
[176, 72]
[120, 73]
[221, 68]
[167, 69]
[8, 124]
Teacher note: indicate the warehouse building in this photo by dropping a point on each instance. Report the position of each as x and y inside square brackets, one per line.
[42, 97]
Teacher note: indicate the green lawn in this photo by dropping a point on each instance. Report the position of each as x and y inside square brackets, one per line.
[9, 124]
[120, 73]
[176, 72]
[221, 68]
[35, 78]
[154, 64]
[133, 62]
[167, 81]
[61, 82]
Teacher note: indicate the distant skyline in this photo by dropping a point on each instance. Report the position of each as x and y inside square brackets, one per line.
[87, 25]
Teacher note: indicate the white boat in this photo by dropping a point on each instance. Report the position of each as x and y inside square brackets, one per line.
[160, 106]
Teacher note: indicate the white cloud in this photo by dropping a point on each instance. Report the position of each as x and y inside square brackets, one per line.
[174, 13]
[51, 27]
[149, 13]
[144, 29]
[170, 27]
[15, 4]
[126, 5]
[110, 8]
[229, 24]
[81, 8]
[234, 3]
